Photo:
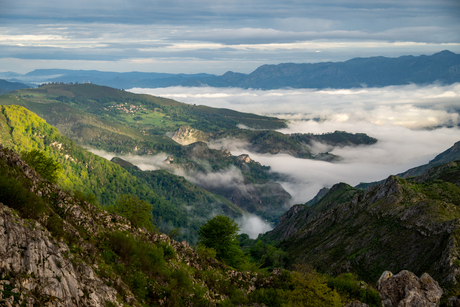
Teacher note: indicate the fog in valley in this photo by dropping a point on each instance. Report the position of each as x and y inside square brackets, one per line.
[412, 124]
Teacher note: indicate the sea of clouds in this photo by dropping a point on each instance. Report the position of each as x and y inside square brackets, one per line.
[412, 124]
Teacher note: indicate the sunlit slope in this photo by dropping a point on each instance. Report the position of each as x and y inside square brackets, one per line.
[21, 130]
[120, 121]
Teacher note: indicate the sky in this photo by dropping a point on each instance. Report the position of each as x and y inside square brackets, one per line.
[215, 36]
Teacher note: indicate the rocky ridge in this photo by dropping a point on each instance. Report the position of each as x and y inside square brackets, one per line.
[400, 224]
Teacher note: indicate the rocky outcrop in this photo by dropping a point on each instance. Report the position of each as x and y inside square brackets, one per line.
[406, 289]
[38, 268]
[186, 135]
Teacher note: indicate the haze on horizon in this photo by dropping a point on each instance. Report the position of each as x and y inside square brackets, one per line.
[214, 37]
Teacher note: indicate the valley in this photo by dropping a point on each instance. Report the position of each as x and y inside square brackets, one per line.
[191, 163]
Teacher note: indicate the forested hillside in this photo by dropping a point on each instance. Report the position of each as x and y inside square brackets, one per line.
[90, 174]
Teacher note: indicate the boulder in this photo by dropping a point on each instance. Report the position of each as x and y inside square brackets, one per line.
[406, 289]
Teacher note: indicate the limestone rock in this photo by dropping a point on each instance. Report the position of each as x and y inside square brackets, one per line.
[42, 269]
[186, 135]
[406, 289]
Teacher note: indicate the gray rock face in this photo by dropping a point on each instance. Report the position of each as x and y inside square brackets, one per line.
[405, 289]
[39, 268]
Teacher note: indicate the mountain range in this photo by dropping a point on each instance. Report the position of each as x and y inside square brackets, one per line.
[442, 67]
[61, 247]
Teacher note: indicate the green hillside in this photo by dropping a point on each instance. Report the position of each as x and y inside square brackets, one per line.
[119, 121]
[196, 204]
[21, 130]
[122, 122]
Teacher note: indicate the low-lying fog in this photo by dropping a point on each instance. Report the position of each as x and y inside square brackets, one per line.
[412, 124]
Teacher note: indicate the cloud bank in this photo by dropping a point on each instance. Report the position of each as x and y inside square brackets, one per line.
[410, 106]
[412, 123]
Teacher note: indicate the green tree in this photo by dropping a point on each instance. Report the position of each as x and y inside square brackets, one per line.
[42, 164]
[219, 233]
[136, 210]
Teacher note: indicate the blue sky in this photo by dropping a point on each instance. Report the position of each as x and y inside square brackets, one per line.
[217, 36]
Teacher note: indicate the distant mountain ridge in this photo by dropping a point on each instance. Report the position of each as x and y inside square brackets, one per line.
[373, 72]
[443, 67]
[7, 86]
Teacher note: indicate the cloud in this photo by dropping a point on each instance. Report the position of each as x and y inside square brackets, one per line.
[253, 225]
[410, 106]
[228, 178]
[145, 163]
[412, 124]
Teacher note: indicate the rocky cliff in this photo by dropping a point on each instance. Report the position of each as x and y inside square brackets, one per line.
[399, 224]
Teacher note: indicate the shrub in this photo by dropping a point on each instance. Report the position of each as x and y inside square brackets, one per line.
[348, 286]
[136, 210]
[219, 233]
[44, 165]
[310, 289]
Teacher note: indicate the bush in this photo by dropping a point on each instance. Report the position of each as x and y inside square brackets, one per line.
[348, 286]
[42, 164]
[310, 289]
[136, 210]
[219, 233]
